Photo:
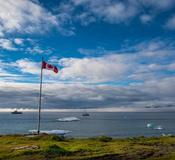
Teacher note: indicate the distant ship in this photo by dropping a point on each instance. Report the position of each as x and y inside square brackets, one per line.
[85, 114]
[16, 112]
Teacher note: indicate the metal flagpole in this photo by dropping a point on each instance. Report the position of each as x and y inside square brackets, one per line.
[40, 95]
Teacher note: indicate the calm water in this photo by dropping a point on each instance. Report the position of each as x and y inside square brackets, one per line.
[109, 124]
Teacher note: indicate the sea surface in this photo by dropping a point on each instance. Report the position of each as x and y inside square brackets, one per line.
[116, 124]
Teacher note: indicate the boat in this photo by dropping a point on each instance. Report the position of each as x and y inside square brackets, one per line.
[16, 112]
[85, 114]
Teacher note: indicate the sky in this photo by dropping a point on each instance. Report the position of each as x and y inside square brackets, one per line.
[110, 53]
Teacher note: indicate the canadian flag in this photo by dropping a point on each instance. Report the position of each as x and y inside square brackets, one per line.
[45, 65]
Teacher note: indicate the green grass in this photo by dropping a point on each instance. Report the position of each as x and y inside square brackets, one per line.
[49, 147]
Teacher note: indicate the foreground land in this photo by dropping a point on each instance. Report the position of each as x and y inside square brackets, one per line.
[45, 147]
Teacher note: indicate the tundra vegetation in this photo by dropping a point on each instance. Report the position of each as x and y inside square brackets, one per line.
[50, 147]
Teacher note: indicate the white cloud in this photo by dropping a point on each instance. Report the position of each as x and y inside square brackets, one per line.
[89, 11]
[171, 66]
[171, 23]
[37, 50]
[155, 47]
[27, 16]
[27, 66]
[7, 75]
[106, 68]
[95, 81]
[115, 13]
[161, 4]
[145, 18]
[161, 88]
[88, 96]
[142, 61]
[98, 51]
[85, 18]
[112, 66]
[106, 10]
[28, 46]
[19, 41]
[7, 44]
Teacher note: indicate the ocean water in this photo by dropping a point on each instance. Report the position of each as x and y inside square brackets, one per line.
[117, 124]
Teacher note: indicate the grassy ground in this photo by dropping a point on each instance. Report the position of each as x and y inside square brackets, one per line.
[46, 147]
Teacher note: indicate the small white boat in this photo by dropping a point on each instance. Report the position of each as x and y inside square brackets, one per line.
[68, 119]
[56, 132]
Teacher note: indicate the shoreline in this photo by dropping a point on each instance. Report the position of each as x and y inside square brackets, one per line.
[41, 147]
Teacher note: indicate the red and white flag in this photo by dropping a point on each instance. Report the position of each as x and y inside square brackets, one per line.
[45, 65]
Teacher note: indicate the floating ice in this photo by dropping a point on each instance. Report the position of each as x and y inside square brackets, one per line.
[153, 126]
[166, 135]
[150, 125]
[68, 119]
[57, 132]
[159, 127]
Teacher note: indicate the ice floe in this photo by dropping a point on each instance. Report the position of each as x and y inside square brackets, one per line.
[166, 135]
[153, 126]
[159, 127]
[57, 132]
[150, 125]
[68, 119]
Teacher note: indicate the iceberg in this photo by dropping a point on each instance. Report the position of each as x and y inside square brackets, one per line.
[153, 126]
[56, 132]
[166, 135]
[150, 125]
[68, 119]
[158, 127]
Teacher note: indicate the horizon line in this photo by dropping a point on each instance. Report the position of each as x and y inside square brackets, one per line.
[107, 109]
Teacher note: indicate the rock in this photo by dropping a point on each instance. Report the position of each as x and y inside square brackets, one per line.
[26, 147]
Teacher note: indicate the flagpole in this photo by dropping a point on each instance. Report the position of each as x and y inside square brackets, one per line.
[40, 95]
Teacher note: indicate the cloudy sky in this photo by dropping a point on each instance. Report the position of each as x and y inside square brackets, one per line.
[110, 53]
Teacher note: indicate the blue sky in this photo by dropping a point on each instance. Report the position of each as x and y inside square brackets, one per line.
[110, 53]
